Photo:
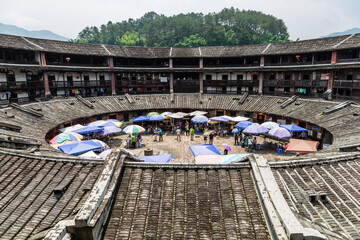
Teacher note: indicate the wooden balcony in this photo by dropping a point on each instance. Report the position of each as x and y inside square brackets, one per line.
[347, 83]
[79, 84]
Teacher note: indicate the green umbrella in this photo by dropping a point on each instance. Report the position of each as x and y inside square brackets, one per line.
[152, 114]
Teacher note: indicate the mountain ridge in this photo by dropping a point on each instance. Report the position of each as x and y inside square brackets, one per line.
[17, 31]
[346, 32]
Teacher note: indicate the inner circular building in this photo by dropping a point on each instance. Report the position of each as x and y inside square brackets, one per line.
[47, 85]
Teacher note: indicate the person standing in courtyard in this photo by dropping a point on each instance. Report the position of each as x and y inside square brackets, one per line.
[205, 138]
[133, 141]
[128, 141]
[192, 131]
[211, 138]
[236, 139]
[160, 135]
[187, 129]
[178, 136]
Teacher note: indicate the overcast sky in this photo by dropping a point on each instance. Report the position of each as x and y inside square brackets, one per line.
[304, 18]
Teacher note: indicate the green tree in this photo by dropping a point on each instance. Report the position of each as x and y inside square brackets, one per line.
[228, 27]
[129, 39]
[192, 41]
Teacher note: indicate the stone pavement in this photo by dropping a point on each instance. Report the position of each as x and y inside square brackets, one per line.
[181, 152]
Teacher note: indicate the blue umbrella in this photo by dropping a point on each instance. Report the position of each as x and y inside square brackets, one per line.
[280, 133]
[162, 158]
[199, 119]
[243, 124]
[81, 147]
[141, 119]
[156, 118]
[108, 131]
[294, 128]
[204, 149]
[219, 119]
[255, 128]
[232, 157]
[235, 130]
[88, 130]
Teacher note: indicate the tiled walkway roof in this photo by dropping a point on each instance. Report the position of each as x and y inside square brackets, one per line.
[186, 203]
[36, 194]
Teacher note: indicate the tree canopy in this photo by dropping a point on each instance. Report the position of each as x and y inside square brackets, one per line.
[228, 27]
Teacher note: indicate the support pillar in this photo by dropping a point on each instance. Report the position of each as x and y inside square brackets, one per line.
[171, 82]
[201, 63]
[330, 81]
[262, 61]
[261, 79]
[113, 87]
[334, 57]
[171, 63]
[201, 80]
[45, 74]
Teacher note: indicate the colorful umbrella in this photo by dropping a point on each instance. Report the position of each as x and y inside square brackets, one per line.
[69, 136]
[220, 119]
[108, 131]
[199, 119]
[152, 114]
[270, 125]
[105, 123]
[280, 133]
[165, 114]
[141, 119]
[134, 129]
[226, 146]
[255, 128]
[243, 124]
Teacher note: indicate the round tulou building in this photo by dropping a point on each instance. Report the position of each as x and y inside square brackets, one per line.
[46, 85]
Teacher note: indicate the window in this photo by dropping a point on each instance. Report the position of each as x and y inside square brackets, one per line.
[239, 77]
[51, 78]
[69, 79]
[254, 77]
[102, 79]
[271, 89]
[287, 76]
[208, 77]
[272, 76]
[306, 77]
[224, 77]
[86, 80]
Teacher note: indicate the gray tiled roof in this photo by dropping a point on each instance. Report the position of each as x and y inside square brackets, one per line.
[295, 47]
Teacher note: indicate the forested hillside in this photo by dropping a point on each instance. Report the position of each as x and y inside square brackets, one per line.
[227, 28]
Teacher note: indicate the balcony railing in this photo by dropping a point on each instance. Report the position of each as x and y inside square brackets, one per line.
[79, 84]
[21, 85]
[18, 62]
[347, 83]
[225, 83]
[305, 83]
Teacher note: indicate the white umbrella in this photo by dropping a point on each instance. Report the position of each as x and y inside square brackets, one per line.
[183, 114]
[89, 154]
[71, 128]
[175, 115]
[196, 113]
[236, 119]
